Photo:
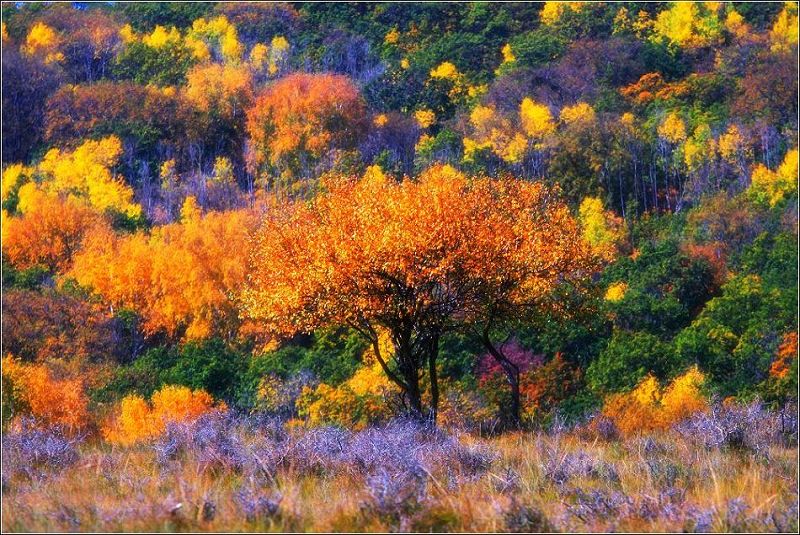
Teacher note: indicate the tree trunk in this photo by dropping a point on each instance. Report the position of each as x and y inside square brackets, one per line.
[433, 353]
[514, 418]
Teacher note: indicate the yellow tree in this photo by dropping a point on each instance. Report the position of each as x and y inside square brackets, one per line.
[415, 259]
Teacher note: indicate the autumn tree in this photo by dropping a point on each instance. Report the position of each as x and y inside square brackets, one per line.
[47, 232]
[181, 278]
[416, 259]
[299, 119]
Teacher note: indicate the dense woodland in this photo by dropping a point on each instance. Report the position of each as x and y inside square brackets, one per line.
[483, 216]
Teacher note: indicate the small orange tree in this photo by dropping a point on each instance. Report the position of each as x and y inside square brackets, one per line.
[298, 119]
[180, 277]
[417, 259]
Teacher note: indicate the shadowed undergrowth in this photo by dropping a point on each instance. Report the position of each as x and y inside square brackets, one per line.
[732, 469]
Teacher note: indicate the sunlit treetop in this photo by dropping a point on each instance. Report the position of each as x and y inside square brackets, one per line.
[425, 118]
[537, 121]
[161, 37]
[735, 24]
[773, 186]
[42, 40]
[181, 278]
[601, 228]
[689, 24]
[579, 113]
[219, 34]
[731, 144]
[783, 35]
[446, 71]
[86, 172]
[553, 11]
[672, 128]
[508, 54]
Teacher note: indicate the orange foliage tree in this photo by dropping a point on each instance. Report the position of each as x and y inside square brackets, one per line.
[297, 120]
[32, 391]
[48, 231]
[417, 259]
[180, 277]
[139, 420]
[648, 407]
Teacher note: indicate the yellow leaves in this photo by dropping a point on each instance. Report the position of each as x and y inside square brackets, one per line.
[43, 41]
[425, 118]
[514, 151]
[699, 149]
[494, 131]
[735, 24]
[472, 148]
[481, 115]
[446, 71]
[627, 119]
[259, 55]
[616, 292]
[579, 113]
[271, 58]
[223, 171]
[392, 36]
[230, 46]
[601, 228]
[771, 187]
[424, 143]
[689, 24]
[13, 177]
[783, 35]
[536, 119]
[136, 420]
[127, 34]
[553, 11]
[357, 402]
[190, 211]
[673, 129]
[86, 172]
[216, 32]
[74, 189]
[647, 407]
[198, 47]
[508, 54]
[730, 144]
[161, 37]
[375, 173]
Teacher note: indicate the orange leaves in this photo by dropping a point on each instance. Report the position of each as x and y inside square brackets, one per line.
[181, 278]
[293, 119]
[787, 352]
[374, 250]
[49, 230]
[49, 401]
[648, 407]
[222, 90]
[137, 420]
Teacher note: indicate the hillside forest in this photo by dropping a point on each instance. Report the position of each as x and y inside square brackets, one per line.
[487, 266]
